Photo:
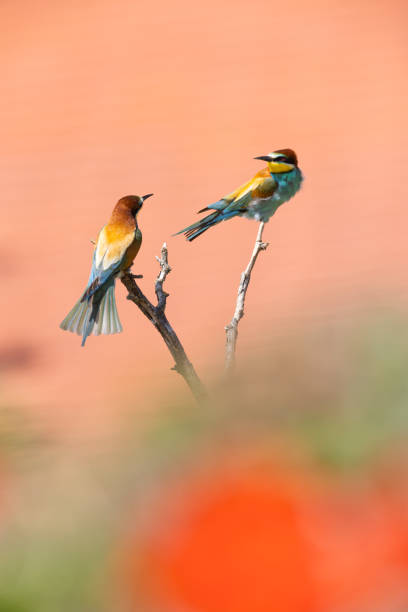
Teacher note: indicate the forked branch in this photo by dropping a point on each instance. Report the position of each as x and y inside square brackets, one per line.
[232, 329]
[156, 315]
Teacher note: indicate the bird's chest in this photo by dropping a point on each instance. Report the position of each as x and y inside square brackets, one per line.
[288, 184]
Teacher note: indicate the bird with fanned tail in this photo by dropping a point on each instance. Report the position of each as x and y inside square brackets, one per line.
[117, 246]
[257, 199]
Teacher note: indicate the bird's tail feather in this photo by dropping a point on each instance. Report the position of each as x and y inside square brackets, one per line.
[196, 229]
[97, 316]
[108, 319]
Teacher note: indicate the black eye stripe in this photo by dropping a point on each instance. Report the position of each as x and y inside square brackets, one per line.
[281, 158]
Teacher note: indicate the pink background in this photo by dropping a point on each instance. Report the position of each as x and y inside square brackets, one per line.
[105, 98]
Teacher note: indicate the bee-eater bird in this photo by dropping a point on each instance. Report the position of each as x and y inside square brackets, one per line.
[259, 198]
[117, 246]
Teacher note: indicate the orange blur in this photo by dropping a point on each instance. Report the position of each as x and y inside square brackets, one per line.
[263, 540]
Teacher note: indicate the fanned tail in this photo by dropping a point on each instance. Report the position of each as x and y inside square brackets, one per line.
[96, 315]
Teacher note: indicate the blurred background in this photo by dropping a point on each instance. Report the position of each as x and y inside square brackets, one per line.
[288, 492]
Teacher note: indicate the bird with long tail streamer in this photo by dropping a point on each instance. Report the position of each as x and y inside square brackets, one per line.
[257, 199]
[116, 248]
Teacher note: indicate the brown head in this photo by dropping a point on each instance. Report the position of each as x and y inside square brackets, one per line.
[281, 160]
[131, 204]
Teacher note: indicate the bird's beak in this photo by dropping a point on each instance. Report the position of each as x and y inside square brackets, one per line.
[146, 196]
[266, 158]
[274, 166]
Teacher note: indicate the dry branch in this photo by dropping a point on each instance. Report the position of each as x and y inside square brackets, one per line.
[157, 317]
[232, 329]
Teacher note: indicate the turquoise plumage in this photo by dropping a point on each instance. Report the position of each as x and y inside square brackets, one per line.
[257, 199]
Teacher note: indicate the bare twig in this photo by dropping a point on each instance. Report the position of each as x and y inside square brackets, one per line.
[232, 329]
[164, 271]
[156, 315]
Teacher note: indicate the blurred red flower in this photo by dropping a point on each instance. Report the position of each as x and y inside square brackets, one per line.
[273, 541]
[235, 546]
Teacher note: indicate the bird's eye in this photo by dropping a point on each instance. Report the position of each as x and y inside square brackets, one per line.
[281, 158]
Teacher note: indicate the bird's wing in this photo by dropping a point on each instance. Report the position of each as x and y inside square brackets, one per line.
[111, 246]
[109, 253]
[261, 186]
